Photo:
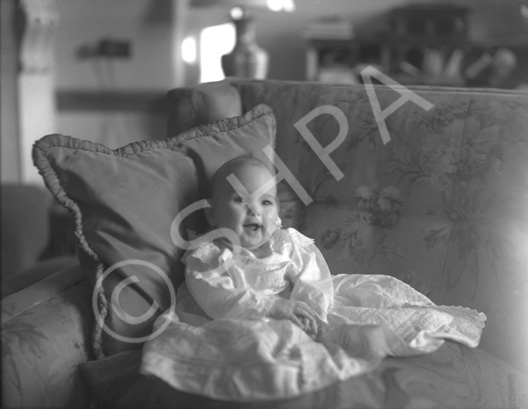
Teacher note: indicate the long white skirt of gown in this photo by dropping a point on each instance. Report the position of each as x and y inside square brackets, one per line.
[372, 316]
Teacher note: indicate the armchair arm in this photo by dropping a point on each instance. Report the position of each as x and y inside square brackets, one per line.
[46, 330]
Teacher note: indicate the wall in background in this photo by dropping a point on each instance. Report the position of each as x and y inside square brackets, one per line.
[145, 24]
[151, 26]
[280, 33]
[10, 171]
[138, 82]
[148, 24]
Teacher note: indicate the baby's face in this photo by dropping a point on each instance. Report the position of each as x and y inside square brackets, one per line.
[253, 218]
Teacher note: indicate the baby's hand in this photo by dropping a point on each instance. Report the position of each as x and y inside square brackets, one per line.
[297, 312]
[309, 327]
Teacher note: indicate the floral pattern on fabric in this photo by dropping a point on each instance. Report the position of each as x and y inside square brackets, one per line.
[41, 335]
[442, 206]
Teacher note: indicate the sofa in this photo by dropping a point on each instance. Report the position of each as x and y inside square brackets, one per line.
[426, 184]
[37, 236]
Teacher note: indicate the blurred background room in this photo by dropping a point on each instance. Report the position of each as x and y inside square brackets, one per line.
[99, 70]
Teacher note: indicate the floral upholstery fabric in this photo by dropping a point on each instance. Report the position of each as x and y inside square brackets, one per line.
[45, 335]
[442, 206]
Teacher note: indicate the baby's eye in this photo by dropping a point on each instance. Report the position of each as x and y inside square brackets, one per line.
[267, 202]
[238, 199]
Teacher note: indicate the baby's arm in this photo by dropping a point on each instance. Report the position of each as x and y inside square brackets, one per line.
[310, 276]
[215, 291]
[218, 297]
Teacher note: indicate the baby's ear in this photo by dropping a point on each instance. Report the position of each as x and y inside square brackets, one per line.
[209, 214]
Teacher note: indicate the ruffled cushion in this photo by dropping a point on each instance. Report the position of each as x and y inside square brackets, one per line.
[124, 202]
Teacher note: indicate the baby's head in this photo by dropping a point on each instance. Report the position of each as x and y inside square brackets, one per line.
[248, 210]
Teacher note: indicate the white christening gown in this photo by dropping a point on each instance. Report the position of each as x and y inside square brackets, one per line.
[241, 354]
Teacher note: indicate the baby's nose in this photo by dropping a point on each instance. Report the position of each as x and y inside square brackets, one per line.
[253, 210]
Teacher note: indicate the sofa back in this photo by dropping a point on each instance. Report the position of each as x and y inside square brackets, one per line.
[428, 185]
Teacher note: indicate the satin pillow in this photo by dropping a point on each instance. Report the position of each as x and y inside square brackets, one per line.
[125, 201]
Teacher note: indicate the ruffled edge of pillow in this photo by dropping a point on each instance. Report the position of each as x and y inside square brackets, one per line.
[43, 160]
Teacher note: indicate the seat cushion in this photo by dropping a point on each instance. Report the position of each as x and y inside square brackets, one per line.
[454, 376]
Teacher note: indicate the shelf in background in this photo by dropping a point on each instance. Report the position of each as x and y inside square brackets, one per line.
[422, 45]
[88, 100]
[420, 62]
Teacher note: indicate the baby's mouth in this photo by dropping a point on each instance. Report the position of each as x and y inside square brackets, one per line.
[253, 226]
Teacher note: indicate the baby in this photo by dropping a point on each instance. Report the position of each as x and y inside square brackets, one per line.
[260, 271]
[267, 277]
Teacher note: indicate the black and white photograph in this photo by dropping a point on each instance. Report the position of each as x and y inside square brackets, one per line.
[264, 204]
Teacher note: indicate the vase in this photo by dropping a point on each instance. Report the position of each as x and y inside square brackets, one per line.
[248, 59]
